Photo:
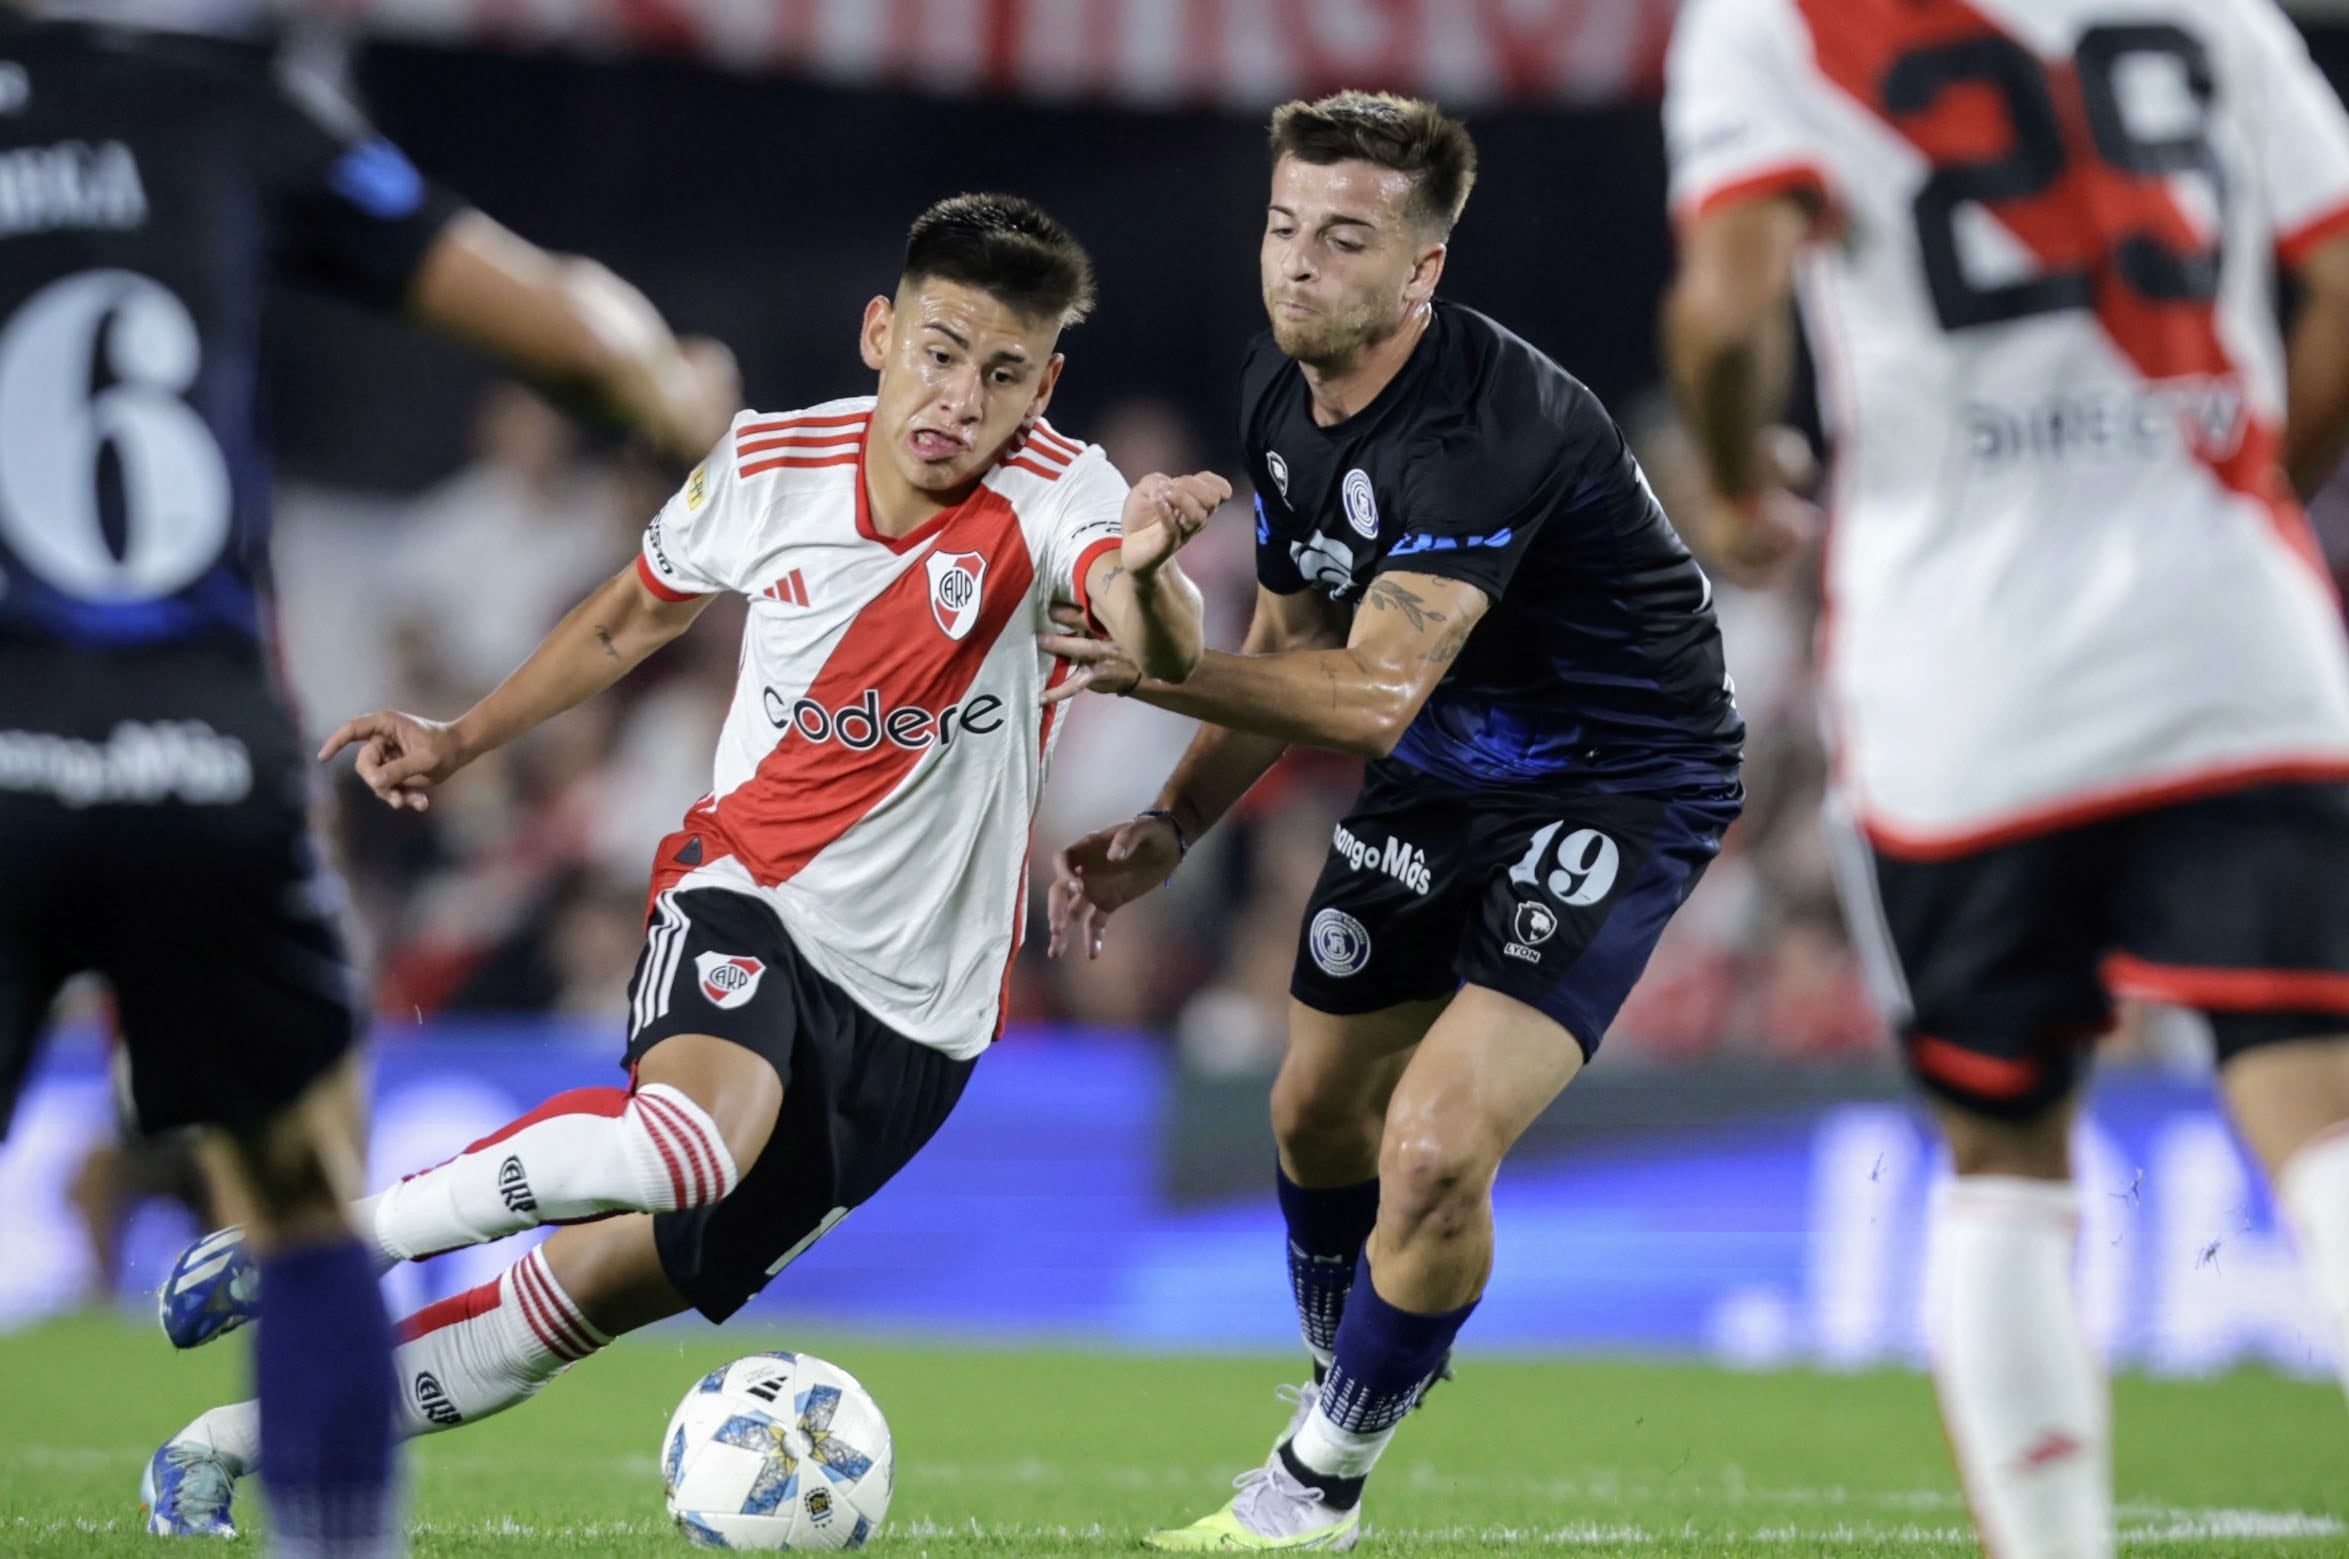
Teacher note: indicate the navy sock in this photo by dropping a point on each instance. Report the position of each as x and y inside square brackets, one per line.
[1385, 1358]
[322, 1362]
[1327, 1229]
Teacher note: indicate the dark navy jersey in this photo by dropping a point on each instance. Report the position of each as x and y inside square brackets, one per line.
[1598, 661]
[150, 188]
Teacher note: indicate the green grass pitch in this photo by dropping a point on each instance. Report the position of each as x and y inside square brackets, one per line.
[1016, 1452]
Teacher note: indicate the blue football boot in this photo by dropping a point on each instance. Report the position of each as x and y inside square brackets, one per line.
[214, 1288]
[187, 1490]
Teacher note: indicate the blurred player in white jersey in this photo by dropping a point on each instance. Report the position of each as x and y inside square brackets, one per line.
[2085, 672]
[830, 933]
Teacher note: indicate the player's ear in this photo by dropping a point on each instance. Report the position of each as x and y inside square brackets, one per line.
[880, 314]
[1426, 271]
[1044, 384]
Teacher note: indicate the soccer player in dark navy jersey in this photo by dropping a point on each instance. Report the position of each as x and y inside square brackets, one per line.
[152, 793]
[1465, 578]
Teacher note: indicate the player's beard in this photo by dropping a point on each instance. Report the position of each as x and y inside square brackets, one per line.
[1333, 340]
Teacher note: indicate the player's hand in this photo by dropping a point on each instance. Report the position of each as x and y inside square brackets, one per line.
[401, 756]
[709, 396]
[1751, 541]
[1163, 512]
[1101, 873]
[1102, 666]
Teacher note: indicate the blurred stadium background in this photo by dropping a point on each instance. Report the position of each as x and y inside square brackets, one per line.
[1740, 1179]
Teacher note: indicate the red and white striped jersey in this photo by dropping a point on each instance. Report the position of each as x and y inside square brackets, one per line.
[880, 766]
[2066, 576]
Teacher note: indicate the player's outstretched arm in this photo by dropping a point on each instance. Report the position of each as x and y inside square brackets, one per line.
[579, 332]
[1115, 866]
[1729, 348]
[1359, 699]
[1139, 593]
[2316, 414]
[601, 640]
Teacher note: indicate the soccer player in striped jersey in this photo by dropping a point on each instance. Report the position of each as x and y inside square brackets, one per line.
[2086, 679]
[831, 930]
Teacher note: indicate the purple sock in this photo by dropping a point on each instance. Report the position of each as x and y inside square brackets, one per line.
[322, 1362]
[1386, 1358]
[1327, 1229]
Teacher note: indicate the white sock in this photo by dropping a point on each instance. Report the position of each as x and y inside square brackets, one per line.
[1334, 1452]
[482, 1351]
[2314, 1188]
[465, 1358]
[2022, 1395]
[580, 1155]
[233, 1433]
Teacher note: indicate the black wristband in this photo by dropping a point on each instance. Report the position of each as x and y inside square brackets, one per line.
[1182, 844]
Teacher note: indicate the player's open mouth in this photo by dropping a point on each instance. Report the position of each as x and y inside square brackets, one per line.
[929, 444]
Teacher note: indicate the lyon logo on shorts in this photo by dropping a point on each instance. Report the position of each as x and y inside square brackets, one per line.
[954, 590]
[726, 980]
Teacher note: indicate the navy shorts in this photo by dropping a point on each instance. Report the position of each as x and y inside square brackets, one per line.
[154, 830]
[1552, 896]
[2004, 962]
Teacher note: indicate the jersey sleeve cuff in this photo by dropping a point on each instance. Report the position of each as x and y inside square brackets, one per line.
[659, 586]
[1085, 561]
[1797, 177]
[2293, 248]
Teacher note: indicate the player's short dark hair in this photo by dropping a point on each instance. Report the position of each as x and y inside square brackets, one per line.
[1008, 248]
[1407, 134]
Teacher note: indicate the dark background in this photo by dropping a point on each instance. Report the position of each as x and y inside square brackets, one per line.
[766, 210]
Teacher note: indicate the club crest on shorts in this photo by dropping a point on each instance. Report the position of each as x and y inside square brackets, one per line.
[1535, 924]
[955, 578]
[726, 980]
[1361, 503]
[1340, 945]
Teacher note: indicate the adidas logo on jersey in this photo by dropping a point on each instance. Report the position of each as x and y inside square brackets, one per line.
[791, 589]
[863, 725]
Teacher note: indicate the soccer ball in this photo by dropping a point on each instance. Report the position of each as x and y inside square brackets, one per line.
[778, 1451]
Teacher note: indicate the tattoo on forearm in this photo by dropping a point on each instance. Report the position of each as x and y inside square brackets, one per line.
[1447, 649]
[1386, 595]
[603, 636]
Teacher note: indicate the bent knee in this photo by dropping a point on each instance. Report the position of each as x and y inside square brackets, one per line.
[704, 1155]
[1317, 1123]
[734, 1094]
[1435, 1182]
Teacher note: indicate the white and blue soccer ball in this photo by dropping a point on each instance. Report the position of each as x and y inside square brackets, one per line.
[777, 1452]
